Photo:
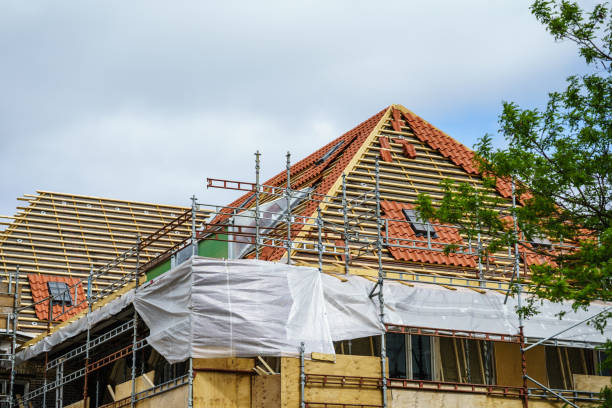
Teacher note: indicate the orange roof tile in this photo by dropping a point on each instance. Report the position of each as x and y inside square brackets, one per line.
[400, 233]
[309, 171]
[385, 149]
[450, 148]
[40, 291]
[352, 141]
[407, 148]
[396, 121]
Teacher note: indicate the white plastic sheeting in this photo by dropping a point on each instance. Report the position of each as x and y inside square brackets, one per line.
[77, 327]
[208, 308]
[270, 214]
[350, 311]
[433, 306]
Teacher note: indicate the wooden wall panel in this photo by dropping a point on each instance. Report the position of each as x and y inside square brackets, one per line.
[508, 364]
[358, 366]
[266, 391]
[229, 387]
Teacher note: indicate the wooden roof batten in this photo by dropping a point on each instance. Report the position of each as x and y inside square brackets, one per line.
[64, 236]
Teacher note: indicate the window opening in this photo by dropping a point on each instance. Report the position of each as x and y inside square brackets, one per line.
[563, 362]
[466, 361]
[363, 346]
[601, 357]
[421, 357]
[60, 293]
[396, 352]
[419, 226]
[410, 356]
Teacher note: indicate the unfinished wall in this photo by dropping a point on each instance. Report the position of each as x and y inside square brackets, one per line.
[266, 391]
[143, 382]
[593, 383]
[122, 393]
[6, 303]
[414, 399]
[344, 365]
[508, 364]
[222, 383]
[169, 399]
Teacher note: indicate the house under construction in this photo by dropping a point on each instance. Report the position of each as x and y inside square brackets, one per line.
[321, 287]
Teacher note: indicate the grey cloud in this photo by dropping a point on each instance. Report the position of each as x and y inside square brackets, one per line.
[97, 95]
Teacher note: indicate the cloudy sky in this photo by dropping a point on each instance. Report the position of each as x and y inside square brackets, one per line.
[143, 100]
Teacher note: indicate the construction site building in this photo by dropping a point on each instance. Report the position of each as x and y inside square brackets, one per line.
[321, 287]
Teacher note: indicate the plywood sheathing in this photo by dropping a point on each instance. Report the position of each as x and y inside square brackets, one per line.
[124, 389]
[358, 366]
[176, 397]
[592, 383]
[222, 382]
[508, 364]
[416, 399]
[266, 391]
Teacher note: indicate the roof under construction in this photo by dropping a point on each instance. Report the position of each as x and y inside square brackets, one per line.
[61, 237]
[331, 249]
[66, 235]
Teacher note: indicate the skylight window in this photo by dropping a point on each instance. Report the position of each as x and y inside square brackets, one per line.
[541, 242]
[329, 153]
[419, 226]
[60, 293]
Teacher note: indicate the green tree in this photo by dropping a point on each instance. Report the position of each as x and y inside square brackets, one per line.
[559, 158]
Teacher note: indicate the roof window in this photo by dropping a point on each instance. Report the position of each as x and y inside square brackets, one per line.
[541, 242]
[419, 226]
[329, 153]
[59, 292]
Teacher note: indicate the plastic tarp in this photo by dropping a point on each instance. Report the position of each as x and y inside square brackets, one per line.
[77, 327]
[433, 306]
[207, 308]
[350, 311]
[270, 214]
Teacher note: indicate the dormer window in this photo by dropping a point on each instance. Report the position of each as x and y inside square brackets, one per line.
[60, 293]
[417, 224]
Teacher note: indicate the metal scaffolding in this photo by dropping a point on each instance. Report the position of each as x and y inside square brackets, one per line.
[310, 234]
[11, 317]
[58, 364]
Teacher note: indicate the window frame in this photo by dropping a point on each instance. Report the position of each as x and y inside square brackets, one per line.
[420, 227]
[59, 296]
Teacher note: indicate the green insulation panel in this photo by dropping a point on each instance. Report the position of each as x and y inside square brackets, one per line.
[213, 248]
[158, 269]
[208, 248]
